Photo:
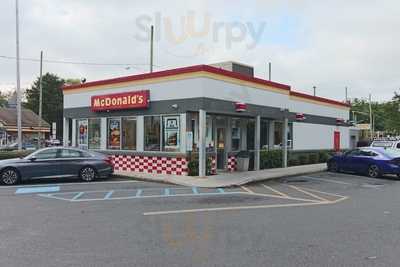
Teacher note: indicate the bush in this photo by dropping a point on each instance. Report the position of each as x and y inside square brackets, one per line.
[303, 159]
[14, 154]
[270, 159]
[323, 156]
[313, 158]
[193, 166]
[294, 162]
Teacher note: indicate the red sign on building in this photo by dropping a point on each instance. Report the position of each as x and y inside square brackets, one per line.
[130, 100]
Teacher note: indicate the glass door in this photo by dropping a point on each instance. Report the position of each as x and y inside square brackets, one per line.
[220, 148]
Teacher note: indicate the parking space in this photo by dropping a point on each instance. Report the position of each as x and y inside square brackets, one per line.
[124, 220]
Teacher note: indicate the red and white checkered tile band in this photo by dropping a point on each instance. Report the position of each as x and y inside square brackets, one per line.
[158, 165]
[232, 163]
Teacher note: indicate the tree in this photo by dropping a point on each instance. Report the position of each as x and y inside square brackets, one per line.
[52, 108]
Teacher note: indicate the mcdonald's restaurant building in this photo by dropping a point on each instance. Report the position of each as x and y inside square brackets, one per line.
[156, 122]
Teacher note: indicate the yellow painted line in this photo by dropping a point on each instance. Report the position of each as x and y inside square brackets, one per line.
[275, 191]
[307, 193]
[247, 190]
[280, 197]
[241, 208]
[322, 192]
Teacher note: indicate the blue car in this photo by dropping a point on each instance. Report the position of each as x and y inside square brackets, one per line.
[372, 161]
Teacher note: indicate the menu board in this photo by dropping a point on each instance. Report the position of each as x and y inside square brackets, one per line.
[171, 133]
[114, 133]
[82, 133]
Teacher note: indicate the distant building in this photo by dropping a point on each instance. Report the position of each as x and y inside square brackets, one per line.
[29, 121]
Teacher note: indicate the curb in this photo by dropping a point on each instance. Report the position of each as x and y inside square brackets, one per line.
[222, 185]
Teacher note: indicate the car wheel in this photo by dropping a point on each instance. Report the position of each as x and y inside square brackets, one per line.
[9, 176]
[333, 167]
[373, 171]
[87, 174]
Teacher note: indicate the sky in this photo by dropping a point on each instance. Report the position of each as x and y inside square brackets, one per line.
[327, 44]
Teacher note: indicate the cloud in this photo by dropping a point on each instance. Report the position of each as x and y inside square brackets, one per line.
[329, 44]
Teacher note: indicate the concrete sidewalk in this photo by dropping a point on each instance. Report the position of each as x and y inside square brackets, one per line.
[226, 179]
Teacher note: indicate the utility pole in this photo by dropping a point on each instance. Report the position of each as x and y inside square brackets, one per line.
[269, 71]
[40, 100]
[346, 94]
[371, 124]
[315, 90]
[151, 48]
[18, 78]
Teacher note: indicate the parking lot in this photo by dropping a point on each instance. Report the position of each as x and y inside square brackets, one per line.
[322, 219]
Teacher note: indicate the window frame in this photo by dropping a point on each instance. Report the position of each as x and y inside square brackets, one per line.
[136, 135]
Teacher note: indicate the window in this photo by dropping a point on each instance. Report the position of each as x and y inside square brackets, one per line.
[278, 133]
[82, 133]
[128, 133]
[114, 133]
[69, 153]
[46, 154]
[94, 133]
[235, 134]
[152, 137]
[264, 134]
[209, 134]
[171, 133]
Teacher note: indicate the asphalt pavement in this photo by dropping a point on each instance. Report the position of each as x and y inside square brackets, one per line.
[322, 219]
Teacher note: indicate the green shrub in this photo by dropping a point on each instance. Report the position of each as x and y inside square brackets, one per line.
[193, 166]
[303, 159]
[323, 156]
[313, 158]
[294, 162]
[13, 154]
[270, 159]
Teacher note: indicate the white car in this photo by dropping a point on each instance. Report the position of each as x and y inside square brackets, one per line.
[386, 143]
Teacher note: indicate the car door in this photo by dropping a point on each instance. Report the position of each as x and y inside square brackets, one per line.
[350, 160]
[71, 161]
[43, 164]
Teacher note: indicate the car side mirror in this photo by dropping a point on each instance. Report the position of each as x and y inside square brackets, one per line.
[33, 158]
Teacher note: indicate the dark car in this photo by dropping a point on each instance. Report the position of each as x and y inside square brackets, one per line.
[56, 162]
[372, 161]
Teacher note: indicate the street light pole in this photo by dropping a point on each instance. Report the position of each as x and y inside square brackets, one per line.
[18, 79]
[40, 99]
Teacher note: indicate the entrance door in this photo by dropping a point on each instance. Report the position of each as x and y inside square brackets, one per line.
[220, 148]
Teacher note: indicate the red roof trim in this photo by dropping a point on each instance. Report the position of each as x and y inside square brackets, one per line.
[320, 99]
[178, 71]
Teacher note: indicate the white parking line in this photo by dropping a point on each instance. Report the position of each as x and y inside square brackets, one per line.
[243, 207]
[327, 180]
[67, 184]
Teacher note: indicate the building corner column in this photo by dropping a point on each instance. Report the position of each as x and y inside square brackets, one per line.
[65, 132]
[202, 143]
[284, 142]
[257, 144]
[140, 133]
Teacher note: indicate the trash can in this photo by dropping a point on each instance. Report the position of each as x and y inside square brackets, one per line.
[243, 159]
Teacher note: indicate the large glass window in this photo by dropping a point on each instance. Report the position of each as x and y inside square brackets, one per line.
[264, 134]
[94, 132]
[278, 133]
[47, 154]
[236, 134]
[171, 130]
[152, 133]
[82, 133]
[210, 146]
[114, 133]
[128, 133]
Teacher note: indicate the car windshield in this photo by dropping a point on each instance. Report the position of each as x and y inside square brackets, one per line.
[394, 153]
[382, 144]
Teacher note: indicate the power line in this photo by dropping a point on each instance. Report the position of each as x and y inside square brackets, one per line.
[76, 62]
